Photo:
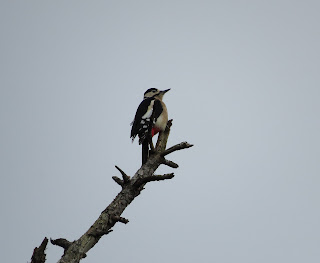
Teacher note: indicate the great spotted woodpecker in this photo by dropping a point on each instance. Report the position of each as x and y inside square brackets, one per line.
[151, 118]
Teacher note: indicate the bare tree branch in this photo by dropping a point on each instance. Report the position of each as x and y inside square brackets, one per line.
[38, 255]
[61, 242]
[125, 177]
[118, 180]
[163, 138]
[170, 163]
[131, 188]
[99, 234]
[180, 146]
[120, 219]
[152, 178]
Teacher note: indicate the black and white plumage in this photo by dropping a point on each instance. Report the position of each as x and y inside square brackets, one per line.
[151, 117]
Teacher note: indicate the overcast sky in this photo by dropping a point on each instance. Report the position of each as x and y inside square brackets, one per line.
[245, 90]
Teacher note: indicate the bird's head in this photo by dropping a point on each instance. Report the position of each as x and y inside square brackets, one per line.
[155, 93]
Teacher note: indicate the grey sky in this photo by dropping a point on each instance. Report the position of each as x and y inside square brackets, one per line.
[244, 79]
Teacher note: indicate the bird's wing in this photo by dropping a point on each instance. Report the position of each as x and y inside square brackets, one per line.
[143, 119]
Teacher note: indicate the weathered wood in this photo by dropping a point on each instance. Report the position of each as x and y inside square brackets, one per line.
[125, 177]
[131, 187]
[61, 242]
[38, 255]
[177, 147]
[147, 179]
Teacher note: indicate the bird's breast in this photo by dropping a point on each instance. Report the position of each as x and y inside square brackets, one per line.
[162, 120]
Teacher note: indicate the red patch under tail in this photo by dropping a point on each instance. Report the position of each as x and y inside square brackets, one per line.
[154, 131]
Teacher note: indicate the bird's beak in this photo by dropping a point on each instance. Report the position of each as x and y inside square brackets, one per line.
[165, 91]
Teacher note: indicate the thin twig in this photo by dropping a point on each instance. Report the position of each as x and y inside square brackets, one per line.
[117, 180]
[152, 178]
[180, 146]
[170, 163]
[125, 177]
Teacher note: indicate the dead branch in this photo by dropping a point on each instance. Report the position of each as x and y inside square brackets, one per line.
[142, 181]
[118, 180]
[120, 219]
[61, 242]
[170, 163]
[131, 188]
[180, 146]
[125, 177]
[38, 255]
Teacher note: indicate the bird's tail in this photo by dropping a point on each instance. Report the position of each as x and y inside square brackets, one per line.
[145, 151]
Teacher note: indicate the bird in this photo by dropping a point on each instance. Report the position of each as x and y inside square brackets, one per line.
[151, 117]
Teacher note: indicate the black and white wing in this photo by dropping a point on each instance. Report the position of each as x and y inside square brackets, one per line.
[143, 120]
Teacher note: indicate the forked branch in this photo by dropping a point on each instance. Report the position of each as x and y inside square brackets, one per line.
[125, 177]
[131, 187]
